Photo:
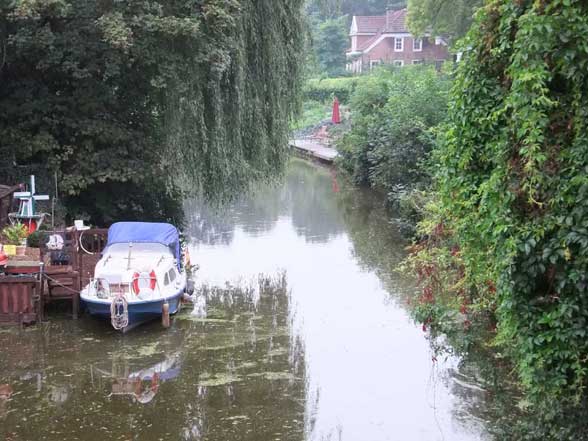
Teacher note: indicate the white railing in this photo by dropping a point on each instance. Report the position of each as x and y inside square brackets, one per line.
[104, 290]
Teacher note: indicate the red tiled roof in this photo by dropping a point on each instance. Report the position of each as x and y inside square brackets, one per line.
[393, 21]
[369, 42]
[370, 24]
[396, 21]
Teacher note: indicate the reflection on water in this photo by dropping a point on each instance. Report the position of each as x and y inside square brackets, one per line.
[305, 200]
[236, 374]
[370, 373]
[324, 352]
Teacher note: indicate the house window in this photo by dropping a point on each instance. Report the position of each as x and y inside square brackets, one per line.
[417, 61]
[398, 44]
[417, 44]
[374, 63]
[398, 63]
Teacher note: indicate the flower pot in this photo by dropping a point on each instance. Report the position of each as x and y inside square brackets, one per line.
[9, 250]
[21, 250]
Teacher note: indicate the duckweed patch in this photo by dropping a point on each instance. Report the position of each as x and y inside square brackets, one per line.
[275, 376]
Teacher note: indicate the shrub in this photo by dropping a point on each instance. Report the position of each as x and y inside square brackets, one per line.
[326, 89]
[313, 113]
[37, 239]
[393, 111]
[15, 234]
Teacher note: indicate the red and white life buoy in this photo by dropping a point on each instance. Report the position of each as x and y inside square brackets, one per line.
[144, 282]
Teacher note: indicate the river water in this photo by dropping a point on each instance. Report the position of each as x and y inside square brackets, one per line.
[299, 333]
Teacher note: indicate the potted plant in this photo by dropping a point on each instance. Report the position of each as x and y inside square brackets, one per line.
[17, 235]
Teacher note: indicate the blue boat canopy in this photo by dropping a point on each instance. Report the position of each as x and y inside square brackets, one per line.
[145, 232]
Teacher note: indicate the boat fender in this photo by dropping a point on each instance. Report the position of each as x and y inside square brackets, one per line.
[165, 321]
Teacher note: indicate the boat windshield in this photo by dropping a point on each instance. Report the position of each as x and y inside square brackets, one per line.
[140, 248]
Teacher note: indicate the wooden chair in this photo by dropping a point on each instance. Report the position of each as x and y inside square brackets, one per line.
[63, 283]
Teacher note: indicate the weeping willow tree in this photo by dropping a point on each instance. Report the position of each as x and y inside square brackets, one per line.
[137, 99]
[228, 123]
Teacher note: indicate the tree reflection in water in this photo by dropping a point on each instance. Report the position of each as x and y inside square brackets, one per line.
[306, 197]
[236, 374]
[338, 358]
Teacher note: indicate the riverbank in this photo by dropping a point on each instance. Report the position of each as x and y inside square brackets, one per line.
[335, 344]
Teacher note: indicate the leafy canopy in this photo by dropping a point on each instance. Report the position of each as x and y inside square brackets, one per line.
[441, 17]
[331, 42]
[393, 111]
[149, 94]
[335, 8]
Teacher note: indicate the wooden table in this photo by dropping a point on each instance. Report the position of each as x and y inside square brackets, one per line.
[23, 267]
[63, 283]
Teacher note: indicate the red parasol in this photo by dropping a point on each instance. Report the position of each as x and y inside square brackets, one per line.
[336, 115]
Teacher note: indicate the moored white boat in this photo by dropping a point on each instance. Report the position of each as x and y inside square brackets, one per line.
[139, 277]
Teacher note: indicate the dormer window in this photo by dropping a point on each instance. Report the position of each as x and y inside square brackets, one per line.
[417, 44]
[398, 44]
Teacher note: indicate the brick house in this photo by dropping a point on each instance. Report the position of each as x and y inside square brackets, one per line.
[385, 39]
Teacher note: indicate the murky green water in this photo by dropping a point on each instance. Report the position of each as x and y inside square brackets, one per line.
[329, 353]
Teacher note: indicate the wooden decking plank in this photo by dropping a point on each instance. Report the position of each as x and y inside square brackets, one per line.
[315, 149]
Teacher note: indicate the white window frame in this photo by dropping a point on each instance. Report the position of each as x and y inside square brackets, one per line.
[398, 63]
[418, 48]
[420, 61]
[396, 40]
[375, 63]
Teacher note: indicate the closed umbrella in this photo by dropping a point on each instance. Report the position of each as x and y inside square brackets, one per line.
[336, 114]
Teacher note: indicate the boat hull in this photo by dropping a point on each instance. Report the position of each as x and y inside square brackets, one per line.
[139, 312]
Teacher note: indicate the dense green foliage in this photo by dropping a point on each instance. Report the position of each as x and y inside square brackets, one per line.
[336, 8]
[393, 111]
[328, 88]
[331, 41]
[148, 95]
[441, 17]
[508, 231]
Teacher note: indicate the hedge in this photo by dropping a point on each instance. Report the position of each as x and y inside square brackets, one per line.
[326, 89]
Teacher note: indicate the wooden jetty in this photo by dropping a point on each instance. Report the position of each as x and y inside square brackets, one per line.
[31, 282]
[314, 148]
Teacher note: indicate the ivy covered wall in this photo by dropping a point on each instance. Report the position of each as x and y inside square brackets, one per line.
[507, 239]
